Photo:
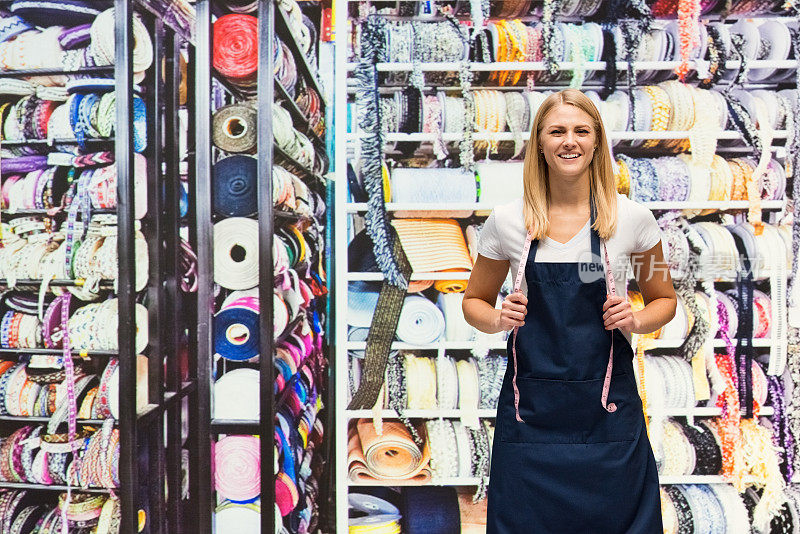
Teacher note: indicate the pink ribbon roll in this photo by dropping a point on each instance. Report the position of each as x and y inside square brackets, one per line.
[237, 467]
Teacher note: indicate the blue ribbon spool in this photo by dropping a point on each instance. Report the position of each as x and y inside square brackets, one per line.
[234, 187]
[236, 333]
[430, 510]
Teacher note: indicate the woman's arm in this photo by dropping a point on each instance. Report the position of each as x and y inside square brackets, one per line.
[484, 284]
[655, 282]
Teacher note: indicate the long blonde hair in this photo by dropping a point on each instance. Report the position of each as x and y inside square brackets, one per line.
[536, 186]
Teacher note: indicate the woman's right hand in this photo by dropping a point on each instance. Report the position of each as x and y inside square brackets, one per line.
[513, 311]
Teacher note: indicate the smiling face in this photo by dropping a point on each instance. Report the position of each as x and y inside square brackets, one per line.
[568, 139]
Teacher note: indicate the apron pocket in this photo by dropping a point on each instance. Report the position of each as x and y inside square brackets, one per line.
[569, 411]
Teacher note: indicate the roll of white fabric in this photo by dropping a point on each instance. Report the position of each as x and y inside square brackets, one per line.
[237, 519]
[236, 395]
[236, 253]
[500, 182]
[456, 327]
[433, 186]
[421, 322]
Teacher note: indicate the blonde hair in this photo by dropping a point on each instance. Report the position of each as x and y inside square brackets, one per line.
[536, 185]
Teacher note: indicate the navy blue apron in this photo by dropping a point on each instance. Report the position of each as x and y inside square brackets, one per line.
[570, 465]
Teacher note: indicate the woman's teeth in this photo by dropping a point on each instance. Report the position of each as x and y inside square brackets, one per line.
[568, 156]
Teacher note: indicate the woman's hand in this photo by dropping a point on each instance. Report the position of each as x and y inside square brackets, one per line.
[513, 311]
[617, 313]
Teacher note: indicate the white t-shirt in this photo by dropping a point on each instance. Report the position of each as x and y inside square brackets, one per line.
[503, 237]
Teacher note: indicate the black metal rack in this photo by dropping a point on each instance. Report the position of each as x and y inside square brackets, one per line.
[150, 462]
[271, 21]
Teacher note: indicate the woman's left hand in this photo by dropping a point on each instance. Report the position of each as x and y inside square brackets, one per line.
[617, 313]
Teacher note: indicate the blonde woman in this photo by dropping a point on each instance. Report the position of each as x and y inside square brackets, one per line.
[570, 454]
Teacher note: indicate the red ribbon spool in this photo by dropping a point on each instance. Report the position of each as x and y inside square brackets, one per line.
[236, 48]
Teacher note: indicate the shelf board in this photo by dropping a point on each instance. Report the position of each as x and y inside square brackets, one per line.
[57, 141]
[377, 277]
[394, 137]
[75, 353]
[50, 487]
[107, 69]
[360, 207]
[446, 345]
[490, 413]
[700, 411]
[566, 65]
[235, 426]
[8, 214]
[469, 345]
[30, 419]
[473, 481]
[697, 479]
[104, 284]
[461, 481]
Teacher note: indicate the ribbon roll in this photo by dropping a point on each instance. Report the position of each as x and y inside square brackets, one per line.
[236, 518]
[236, 253]
[421, 322]
[433, 186]
[236, 48]
[430, 510]
[236, 395]
[237, 468]
[234, 187]
[392, 455]
[233, 129]
[141, 387]
[236, 327]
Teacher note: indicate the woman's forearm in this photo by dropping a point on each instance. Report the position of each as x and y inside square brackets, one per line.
[654, 315]
[481, 315]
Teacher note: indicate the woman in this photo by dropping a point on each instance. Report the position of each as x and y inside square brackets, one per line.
[570, 454]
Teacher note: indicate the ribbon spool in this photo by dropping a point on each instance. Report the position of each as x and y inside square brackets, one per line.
[234, 187]
[233, 129]
[236, 334]
[236, 518]
[430, 510]
[236, 48]
[236, 253]
[236, 395]
[237, 468]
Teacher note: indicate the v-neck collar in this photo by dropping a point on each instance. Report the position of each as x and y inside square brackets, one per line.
[568, 244]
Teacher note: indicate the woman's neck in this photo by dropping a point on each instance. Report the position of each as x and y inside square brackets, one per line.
[569, 193]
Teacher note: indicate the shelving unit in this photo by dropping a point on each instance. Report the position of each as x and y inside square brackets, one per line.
[271, 21]
[150, 466]
[350, 212]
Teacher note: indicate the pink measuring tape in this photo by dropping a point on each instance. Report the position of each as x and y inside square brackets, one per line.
[612, 287]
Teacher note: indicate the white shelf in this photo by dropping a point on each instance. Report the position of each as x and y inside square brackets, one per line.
[509, 136]
[675, 343]
[359, 207]
[492, 413]
[433, 482]
[446, 345]
[565, 65]
[698, 411]
[699, 479]
[663, 480]
[377, 277]
[423, 414]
